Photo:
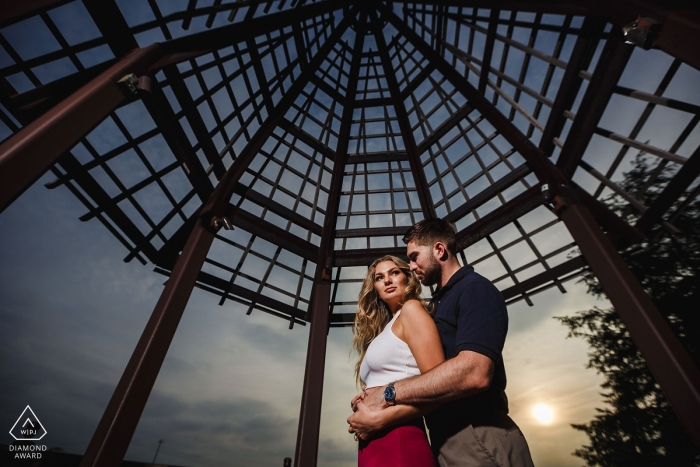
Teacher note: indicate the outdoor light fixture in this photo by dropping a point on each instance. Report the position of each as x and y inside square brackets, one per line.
[641, 32]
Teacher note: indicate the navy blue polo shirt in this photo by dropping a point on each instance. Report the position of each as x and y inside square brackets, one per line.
[470, 314]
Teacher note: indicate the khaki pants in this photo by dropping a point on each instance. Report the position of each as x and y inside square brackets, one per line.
[493, 441]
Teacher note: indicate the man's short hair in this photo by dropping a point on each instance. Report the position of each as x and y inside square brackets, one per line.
[429, 231]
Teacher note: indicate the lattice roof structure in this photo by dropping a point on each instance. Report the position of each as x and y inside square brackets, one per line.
[320, 131]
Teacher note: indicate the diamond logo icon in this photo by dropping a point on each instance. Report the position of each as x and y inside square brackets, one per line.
[28, 427]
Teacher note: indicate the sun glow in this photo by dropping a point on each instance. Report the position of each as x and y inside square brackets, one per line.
[543, 413]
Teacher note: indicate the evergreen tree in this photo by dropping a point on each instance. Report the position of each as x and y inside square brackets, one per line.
[638, 426]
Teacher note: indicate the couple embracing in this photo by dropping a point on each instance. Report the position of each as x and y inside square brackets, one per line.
[442, 360]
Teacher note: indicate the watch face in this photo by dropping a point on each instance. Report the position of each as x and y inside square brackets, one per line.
[389, 393]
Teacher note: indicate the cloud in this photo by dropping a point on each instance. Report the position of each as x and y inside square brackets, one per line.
[241, 431]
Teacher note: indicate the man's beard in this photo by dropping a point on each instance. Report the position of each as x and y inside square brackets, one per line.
[433, 273]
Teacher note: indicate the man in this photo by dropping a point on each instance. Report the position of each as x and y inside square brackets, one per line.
[471, 427]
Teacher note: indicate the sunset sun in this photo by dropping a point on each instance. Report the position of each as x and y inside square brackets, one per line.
[543, 413]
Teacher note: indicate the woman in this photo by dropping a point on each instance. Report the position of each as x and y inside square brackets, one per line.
[395, 338]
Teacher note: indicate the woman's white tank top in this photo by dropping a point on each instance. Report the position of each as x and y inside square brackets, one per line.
[387, 359]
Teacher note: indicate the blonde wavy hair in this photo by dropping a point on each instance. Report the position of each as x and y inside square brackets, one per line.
[373, 314]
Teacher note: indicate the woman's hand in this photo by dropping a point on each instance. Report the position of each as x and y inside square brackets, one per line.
[355, 400]
[364, 422]
[358, 398]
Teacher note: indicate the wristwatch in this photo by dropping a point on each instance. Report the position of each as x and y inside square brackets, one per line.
[390, 394]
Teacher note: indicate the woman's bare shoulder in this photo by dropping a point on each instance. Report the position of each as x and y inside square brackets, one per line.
[414, 309]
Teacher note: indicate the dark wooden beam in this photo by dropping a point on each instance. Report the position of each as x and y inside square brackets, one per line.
[373, 102]
[611, 64]
[14, 11]
[502, 216]
[671, 193]
[251, 305]
[420, 77]
[115, 32]
[273, 234]
[620, 233]
[489, 193]
[191, 5]
[364, 257]
[307, 139]
[299, 45]
[545, 277]
[580, 58]
[445, 128]
[170, 251]
[422, 189]
[260, 73]
[31, 104]
[157, 105]
[283, 211]
[328, 89]
[488, 49]
[673, 36]
[378, 157]
[342, 320]
[376, 232]
[658, 100]
[225, 287]
[194, 118]
[111, 23]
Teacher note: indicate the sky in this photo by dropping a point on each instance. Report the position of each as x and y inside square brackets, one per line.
[229, 390]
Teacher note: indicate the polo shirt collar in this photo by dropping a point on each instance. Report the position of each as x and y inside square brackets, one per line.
[463, 272]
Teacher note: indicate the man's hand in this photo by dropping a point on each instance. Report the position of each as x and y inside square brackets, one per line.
[374, 399]
[373, 414]
[364, 422]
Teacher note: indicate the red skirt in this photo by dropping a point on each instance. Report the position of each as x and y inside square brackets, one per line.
[401, 446]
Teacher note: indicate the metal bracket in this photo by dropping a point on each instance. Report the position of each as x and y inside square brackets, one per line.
[131, 83]
[642, 32]
[560, 204]
[219, 222]
[561, 197]
[546, 193]
[327, 269]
